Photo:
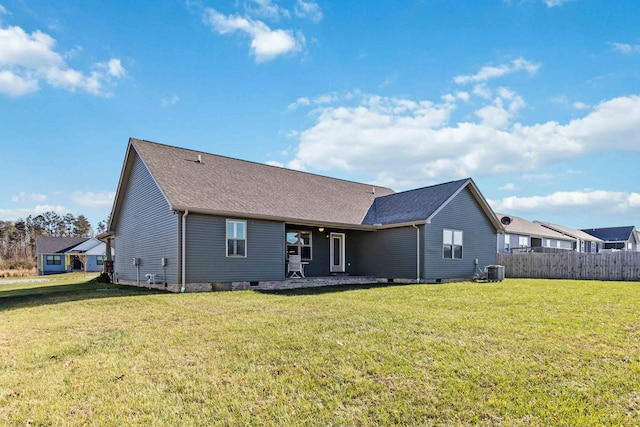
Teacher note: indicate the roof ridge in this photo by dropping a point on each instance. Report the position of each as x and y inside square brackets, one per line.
[264, 164]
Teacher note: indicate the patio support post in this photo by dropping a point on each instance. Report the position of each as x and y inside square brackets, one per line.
[417, 252]
[184, 250]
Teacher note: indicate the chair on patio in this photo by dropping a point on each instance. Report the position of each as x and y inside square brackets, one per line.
[295, 268]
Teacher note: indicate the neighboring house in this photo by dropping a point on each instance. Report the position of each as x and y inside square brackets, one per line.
[198, 221]
[50, 253]
[617, 238]
[584, 242]
[521, 236]
[63, 254]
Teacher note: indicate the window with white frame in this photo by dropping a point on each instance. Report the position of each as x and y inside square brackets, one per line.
[99, 259]
[54, 259]
[452, 244]
[236, 238]
[507, 242]
[523, 242]
[299, 243]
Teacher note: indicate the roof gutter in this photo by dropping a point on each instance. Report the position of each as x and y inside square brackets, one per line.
[184, 251]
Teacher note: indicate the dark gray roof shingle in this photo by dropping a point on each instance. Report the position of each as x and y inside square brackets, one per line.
[53, 245]
[611, 234]
[412, 205]
[223, 185]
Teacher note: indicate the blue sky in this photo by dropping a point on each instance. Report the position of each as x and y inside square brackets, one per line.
[537, 100]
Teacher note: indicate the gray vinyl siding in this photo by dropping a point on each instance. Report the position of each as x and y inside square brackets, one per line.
[389, 253]
[146, 229]
[207, 259]
[479, 239]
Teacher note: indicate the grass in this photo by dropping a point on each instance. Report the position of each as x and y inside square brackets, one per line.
[518, 352]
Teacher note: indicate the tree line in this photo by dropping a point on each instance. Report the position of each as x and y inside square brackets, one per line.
[18, 238]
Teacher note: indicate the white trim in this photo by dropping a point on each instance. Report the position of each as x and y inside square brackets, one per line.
[226, 234]
[299, 246]
[342, 267]
[453, 245]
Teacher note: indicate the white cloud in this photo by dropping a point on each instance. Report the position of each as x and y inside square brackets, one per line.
[490, 72]
[613, 200]
[265, 9]
[23, 213]
[327, 98]
[93, 200]
[509, 187]
[300, 102]
[275, 163]
[170, 101]
[26, 60]
[3, 10]
[24, 196]
[405, 143]
[309, 9]
[115, 68]
[266, 44]
[580, 105]
[555, 3]
[625, 48]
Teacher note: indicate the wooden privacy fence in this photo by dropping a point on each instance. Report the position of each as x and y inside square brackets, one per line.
[573, 265]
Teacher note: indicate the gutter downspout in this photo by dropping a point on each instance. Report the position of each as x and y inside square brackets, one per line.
[417, 252]
[184, 250]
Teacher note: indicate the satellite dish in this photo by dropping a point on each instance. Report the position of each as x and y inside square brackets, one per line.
[505, 220]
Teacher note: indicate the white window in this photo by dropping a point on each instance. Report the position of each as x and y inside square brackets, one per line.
[299, 243]
[507, 242]
[100, 259]
[452, 244]
[523, 241]
[236, 238]
[629, 246]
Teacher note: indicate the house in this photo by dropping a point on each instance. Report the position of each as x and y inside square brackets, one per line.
[522, 236]
[617, 238]
[185, 220]
[584, 242]
[64, 254]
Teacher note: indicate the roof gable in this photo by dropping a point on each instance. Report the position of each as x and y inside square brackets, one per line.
[422, 204]
[412, 205]
[612, 234]
[218, 185]
[85, 246]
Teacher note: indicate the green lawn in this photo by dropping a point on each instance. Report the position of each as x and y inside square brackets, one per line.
[519, 352]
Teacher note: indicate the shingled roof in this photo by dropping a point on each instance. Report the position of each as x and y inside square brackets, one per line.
[527, 228]
[577, 234]
[208, 183]
[413, 205]
[53, 245]
[612, 234]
